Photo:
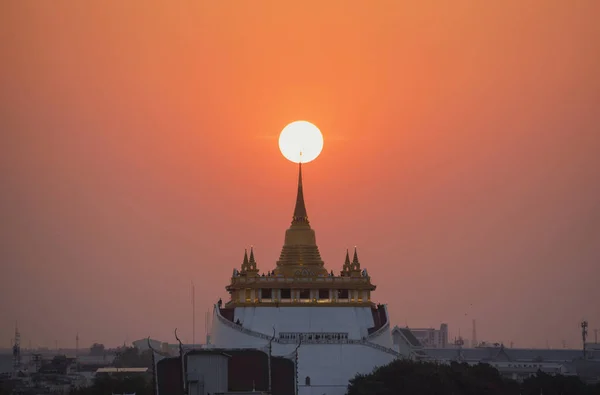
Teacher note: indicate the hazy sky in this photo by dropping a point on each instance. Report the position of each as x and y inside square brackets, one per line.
[139, 151]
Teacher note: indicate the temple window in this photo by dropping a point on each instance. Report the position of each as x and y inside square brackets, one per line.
[286, 293]
[248, 294]
[323, 294]
[343, 294]
[304, 294]
[267, 293]
[307, 381]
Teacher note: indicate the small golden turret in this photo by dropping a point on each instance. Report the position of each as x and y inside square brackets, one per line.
[351, 269]
[249, 268]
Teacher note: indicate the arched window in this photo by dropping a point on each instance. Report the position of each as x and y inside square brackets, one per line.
[307, 381]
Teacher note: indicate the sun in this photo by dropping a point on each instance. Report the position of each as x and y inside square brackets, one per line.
[301, 141]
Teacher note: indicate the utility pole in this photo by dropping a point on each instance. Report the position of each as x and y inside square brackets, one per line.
[270, 355]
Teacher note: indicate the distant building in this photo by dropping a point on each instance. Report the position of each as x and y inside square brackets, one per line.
[431, 337]
[407, 344]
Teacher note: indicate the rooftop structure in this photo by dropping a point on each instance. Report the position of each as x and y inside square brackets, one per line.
[300, 277]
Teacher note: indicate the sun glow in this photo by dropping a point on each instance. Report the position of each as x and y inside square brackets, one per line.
[301, 141]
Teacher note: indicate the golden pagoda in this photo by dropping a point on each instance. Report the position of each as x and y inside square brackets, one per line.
[300, 277]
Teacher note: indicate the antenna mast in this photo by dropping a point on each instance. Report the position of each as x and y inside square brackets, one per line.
[77, 351]
[193, 315]
[17, 350]
[474, 335]
[207, 326]
[584, 332]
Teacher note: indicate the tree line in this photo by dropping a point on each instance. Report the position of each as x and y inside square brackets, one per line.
[426, 378]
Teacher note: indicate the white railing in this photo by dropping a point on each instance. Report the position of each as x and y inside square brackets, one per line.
[378, 347]
[241, 328]
[313, 337]
[383, 328]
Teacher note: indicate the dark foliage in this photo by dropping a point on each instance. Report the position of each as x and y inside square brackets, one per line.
[6, 387]
[130, 357]
[97, 349]
[104, 384]
[421, 378]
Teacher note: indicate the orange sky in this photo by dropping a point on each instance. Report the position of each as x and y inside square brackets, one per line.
[139, 152]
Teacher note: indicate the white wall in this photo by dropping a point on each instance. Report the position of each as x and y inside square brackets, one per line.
[331, 366]
[352, 320]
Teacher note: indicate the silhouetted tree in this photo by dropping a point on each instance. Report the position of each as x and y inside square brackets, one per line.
[97, 349]
[130, 357]
[408, 377]
[117, 384]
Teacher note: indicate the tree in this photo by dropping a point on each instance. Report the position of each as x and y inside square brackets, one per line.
[119, 384]
[97, 349]
[408, 377]
[130, 357]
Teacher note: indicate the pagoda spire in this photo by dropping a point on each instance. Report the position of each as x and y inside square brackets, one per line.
[252, 260]
[300, 256]
[300, 216]
[347, 261]
[245, 262]
[355, 261]
[355, 258]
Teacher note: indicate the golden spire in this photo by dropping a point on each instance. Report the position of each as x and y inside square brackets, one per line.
[300, 256]
[300, 216]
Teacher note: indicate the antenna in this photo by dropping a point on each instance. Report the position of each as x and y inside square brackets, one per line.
[77, 351]
[584, 332]
[207, 326]
[17, 350]
[193, 315]
[474, 335]
[596, 336]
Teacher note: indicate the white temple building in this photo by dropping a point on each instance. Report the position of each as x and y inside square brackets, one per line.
[327, 323]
